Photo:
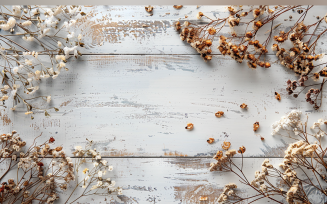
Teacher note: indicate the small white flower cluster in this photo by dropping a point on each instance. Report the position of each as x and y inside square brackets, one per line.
[317, 126]
[292, 121]
[10, 24]
[228, 191]
[100, 168]
[259, 181]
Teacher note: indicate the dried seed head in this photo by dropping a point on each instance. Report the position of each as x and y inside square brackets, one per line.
[178, 6]
[219, 114]
[277, 96]
[189, 126]
[149, 8]
[241, 150]
[210, 140]
[199, 15]
[211, 31]
[243, 105]
[219, 155]
[255, 126]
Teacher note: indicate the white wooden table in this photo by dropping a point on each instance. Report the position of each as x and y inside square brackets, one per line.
[134, 90]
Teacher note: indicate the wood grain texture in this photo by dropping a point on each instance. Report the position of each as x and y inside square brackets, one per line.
[136, 87]
[140, 105]
[177, 181]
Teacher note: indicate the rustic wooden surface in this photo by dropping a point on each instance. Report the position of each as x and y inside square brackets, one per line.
[134, 90]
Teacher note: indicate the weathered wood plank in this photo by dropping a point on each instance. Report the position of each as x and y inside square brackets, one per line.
[139, 106]
[131, 30]
[176, 180]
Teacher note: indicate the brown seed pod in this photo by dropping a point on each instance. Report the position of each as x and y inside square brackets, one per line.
[149, 8]
[189, 126]
[241, 150]
[226, 145]
[219, 114]
[210, 140]
[178, 6]
[255, 126]
[243, 105]
[277, 96]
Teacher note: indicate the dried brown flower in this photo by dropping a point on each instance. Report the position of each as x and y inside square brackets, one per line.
[178, 6]
[255, 126]
[211, 31]
[51, 140]
[277, 96]
[219, 114]
[226, 145]
[241, 150]
[203, 198]
[243, 105]
[149, 8]
[189, 126]
[218, 155]
[210, 140]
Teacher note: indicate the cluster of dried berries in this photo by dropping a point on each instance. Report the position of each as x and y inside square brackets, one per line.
[191, 34]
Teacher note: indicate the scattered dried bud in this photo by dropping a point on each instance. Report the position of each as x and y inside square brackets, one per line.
[219, 114]
[255, 126]
[267, 65]
[262, 138]
[243, 105]
[58, 148]
[277, 96]
[226, 145]
[149, 8]
[51, 140]
[189, 126]
[178, 6]
[210, 140]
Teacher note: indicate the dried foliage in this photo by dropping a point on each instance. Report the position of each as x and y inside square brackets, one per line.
[246, 45]
[303, 166]
[22, 69]
[42, 171]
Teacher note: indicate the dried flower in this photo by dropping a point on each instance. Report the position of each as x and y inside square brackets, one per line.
[277, 96]
[241, 150]
[189, 126]
[255, 126]
[210, 140]
[226, 145]
[219, 114]
[149, 8]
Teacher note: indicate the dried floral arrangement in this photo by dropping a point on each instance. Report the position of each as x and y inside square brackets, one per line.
[41, 172]
[22, 70]
[244, 45]
[286, 182]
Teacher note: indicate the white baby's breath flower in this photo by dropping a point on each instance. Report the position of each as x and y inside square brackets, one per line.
[48, 99]
[10, 24]
[27, 23]
[110, 168]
